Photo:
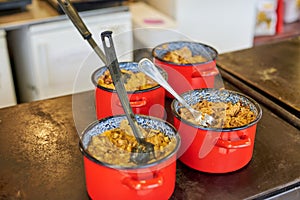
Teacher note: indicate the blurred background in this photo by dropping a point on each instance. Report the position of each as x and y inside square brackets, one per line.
[43, 56]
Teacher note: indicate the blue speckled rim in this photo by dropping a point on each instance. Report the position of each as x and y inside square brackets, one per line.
[197, 48]
[131, 66]
[216, 95]
[98, 127]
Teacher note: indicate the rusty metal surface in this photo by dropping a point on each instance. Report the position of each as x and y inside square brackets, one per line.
[40, 159]
[39, 156]
[268, 103]
[273, 69]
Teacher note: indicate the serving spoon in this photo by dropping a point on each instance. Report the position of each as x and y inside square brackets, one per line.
[144, 152]
[146, 66]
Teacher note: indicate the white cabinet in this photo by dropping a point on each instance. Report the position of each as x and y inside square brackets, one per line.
[7, 90]
[151, 27]
[49, 56]
[225, 25]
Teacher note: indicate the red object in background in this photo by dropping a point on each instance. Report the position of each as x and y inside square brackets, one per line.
[188, 77]
[280, 15]
[184, 77]
[149, 101]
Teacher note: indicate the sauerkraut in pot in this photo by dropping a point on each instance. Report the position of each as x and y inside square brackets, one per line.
[225, 114]
[183, 56]
[132, 80]
[115, 146]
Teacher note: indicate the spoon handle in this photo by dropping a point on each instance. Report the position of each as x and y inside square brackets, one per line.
[113, 66]
[147, 67]
[71, 12]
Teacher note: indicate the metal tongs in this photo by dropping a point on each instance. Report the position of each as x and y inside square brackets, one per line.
[144, 151]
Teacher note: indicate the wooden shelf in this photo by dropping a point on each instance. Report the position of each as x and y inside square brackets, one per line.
[289, 30]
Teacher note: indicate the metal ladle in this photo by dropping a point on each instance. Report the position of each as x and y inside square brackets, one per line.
[146, 66]
[144, 151]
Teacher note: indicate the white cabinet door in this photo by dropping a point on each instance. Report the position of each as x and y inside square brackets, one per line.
[7, 90]
[58, 53]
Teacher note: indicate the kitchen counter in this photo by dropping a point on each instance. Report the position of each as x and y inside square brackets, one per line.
[40, 158]
[273, 70]
[37, 11]
[40, 11]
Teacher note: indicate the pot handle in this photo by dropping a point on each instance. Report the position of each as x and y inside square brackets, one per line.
[245, 141]
[204, 70]
[135, 103]
[144, 184]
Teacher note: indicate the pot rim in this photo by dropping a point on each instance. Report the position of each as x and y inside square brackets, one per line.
[188, 64]
[258, 117]
[92, 158]
[128, 92]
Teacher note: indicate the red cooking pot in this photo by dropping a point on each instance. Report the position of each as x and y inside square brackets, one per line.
[215, 150]
[149, 181]
[184, 77]
[149, 101]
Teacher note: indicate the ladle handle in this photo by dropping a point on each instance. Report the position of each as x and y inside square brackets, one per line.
[147, 67]
[71, 12]
[113, 67]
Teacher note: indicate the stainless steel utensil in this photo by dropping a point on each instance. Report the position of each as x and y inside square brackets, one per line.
[71, 12]
[145, 150]
[147, 67]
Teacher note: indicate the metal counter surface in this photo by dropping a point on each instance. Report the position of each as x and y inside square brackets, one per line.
[40, 159]
[273, 69]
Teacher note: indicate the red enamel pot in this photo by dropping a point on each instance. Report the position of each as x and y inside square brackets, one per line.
[150, 181]
[184, 77]
[149, 101]
[216, 150]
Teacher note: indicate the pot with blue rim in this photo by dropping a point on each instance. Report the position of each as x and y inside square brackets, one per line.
[145, 95]
[109, 172]
[227, 144]
[189, 65]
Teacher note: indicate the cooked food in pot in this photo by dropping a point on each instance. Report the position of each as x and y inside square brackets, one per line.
[226, 114]
[133, 81]
[114, 146]
[183, 56]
